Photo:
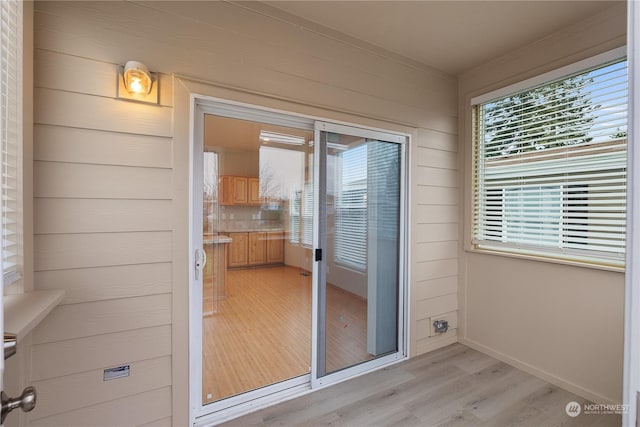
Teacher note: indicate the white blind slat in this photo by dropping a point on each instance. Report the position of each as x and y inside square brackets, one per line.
[550, 167]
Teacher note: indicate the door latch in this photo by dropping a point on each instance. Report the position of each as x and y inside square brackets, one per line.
[201, 261]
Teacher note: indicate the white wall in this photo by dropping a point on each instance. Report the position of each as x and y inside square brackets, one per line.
[111, 179]
[561, 322]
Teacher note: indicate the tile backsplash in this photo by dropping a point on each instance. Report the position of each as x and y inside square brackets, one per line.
[237, 218]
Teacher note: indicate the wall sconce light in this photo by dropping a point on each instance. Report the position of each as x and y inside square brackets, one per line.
[136, 83]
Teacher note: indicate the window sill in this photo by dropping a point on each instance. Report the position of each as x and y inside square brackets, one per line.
[540, 258]
[23, 312]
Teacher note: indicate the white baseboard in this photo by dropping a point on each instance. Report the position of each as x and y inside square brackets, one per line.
[567, 385]
[436, 343]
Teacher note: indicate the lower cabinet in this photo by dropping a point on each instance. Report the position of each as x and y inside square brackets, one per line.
[238, 250]
[275, 247]
[256, 248]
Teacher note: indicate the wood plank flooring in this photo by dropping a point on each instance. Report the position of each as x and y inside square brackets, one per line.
[453, 386]
[260, 333]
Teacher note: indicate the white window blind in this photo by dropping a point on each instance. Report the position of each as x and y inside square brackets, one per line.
[301, 216]
[294, 217]
[350, 242]
[11, 133]
[307, 215]
[550, 168]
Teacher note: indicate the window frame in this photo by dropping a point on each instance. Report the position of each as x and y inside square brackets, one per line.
[15, 274]
[546, 255]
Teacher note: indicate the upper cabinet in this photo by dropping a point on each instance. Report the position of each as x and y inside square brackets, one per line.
[239, 190]
[254, 191]
[240, 187]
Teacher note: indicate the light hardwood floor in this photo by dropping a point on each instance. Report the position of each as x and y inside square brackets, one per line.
[453, 386]
[260, 333]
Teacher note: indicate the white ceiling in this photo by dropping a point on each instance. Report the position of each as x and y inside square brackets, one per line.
[452, 36]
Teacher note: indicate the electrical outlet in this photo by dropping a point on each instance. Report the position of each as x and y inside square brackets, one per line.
[451, 320]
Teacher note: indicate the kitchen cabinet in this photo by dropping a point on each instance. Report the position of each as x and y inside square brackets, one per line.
[238, 250]
[242, 190]
[275, 247]
[256, 248]
[254, 191]
[240, 187]
[234, 190]
[225, 195]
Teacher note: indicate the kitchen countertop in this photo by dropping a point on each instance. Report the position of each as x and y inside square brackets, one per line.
[209, 239]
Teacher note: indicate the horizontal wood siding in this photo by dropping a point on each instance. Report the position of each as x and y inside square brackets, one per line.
[66, 357]
[106, 184]
[73, 145]
[69, 180]
[88, 388]
[103, 317]
[134, 410]
[435, 249]
[55, 216]
[105, 283]
[103, 233]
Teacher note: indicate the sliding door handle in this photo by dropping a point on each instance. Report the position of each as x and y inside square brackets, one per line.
[201, 261]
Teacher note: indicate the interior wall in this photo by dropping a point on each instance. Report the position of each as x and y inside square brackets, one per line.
[111, 183]
[563, 323]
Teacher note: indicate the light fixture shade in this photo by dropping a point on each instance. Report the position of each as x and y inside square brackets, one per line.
[136, 83]
[137, 79]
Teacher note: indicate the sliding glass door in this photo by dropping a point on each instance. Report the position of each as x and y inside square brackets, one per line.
[360, 249]
[298, 251]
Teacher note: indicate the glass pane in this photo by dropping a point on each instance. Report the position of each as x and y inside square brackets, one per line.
[362, 256]
[213, 283]
[256, 328]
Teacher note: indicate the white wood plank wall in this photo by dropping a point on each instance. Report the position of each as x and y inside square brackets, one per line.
[103, 180]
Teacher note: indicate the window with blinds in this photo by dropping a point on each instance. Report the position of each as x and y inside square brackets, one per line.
[301, 216]
[550, 168]
[366, 199]
[11, 134]
[350, 242]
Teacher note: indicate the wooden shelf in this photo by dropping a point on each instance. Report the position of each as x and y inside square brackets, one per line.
[23, 312]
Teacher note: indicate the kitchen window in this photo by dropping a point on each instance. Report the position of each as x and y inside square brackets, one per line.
[550, 165]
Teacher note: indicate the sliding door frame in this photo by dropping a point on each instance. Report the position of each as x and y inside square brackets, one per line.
[219, 411]
[319, 378]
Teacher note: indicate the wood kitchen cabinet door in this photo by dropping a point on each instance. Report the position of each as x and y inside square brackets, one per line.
[240, 187]
[226, 191]
[257, 248]
[254, 191]
[275, 247]
[238, 250]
